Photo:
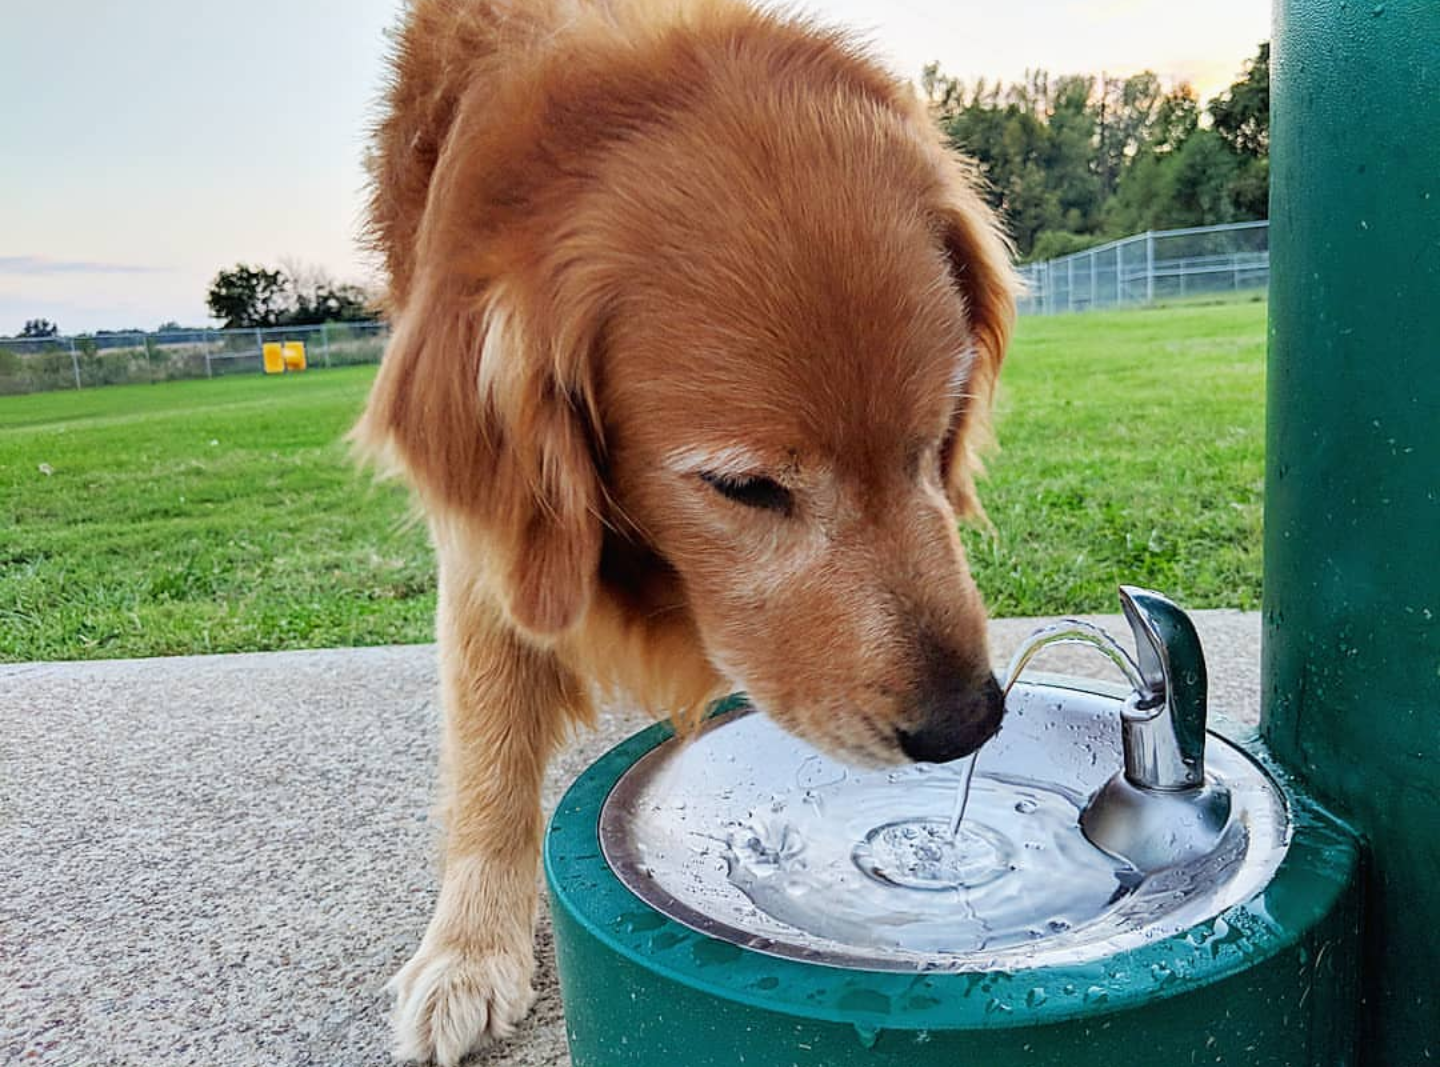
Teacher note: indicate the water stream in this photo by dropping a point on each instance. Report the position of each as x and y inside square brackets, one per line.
[1074, 632]
[962, 793]
[1066, 631]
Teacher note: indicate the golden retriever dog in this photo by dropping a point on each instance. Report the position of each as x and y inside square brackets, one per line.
[695, 329]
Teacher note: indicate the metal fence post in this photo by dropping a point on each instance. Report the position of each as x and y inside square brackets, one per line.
[74, 362]
[205, 347]
[260, 349]
[1093, 268]
[1149, 266]
[1119, 292]
[325, 342]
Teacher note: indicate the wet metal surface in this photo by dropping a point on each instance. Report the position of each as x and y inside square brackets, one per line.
[751, 836]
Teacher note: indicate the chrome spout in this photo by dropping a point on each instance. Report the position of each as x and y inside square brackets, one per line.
[1160, 809]
[1164, 725]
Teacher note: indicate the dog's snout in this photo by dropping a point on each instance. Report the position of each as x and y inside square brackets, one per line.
[955, 718]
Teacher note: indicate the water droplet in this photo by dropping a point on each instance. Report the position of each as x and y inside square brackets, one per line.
[1036, 997]
[638, 922]
[711, 952]
[868, 1035]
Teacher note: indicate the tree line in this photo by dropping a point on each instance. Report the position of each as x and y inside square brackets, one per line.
[246, 296]
[294, 295]
[1074, 160]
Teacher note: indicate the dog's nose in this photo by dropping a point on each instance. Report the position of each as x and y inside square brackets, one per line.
[957, 717]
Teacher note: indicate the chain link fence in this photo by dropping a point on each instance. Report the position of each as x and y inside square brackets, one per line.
[38, 364]
[1162, 265]
[1158, 266]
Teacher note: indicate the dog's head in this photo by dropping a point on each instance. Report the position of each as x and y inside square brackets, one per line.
[756, 354]
[793, 405]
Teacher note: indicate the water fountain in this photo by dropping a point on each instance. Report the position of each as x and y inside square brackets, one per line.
[1130, 881]
[742, 895]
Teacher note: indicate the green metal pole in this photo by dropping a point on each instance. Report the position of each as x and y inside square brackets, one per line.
[1352, 542]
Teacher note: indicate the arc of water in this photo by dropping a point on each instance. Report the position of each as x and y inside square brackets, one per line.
[1076, 632]
[1064, 632]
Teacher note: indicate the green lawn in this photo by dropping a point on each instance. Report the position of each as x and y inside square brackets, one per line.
[223, 515]
[200, 516]
[1132, 450]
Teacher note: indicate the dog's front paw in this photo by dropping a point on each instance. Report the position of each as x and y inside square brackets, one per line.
[450, 1001]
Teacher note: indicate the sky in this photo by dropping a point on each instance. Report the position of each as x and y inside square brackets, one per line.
[145, 145]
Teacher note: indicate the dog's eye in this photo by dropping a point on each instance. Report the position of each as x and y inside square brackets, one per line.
[752, 491]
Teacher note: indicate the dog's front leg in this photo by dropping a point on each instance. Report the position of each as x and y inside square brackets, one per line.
[506, 705]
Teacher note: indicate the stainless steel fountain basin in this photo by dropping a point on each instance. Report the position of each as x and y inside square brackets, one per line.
[702, 831]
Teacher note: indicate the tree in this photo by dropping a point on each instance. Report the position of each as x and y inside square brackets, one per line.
[1250, 189]
[1129, 112]
[1193, 185]
[40, 328]
[1242, 113]
[1241, 117]
[1053, 148]
[1008, 133]
[1073, 159]
[1145, 197]
[334, 302]
[1055, 243]
[1176, 118]
[314, 297]
[247, 296]
[295, 295]
[1070, 160]
[1204, 174]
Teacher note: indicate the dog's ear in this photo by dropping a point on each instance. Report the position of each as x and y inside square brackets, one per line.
[980, 264]
[494, 424]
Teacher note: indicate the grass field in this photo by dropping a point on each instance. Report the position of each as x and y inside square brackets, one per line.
[210, 516]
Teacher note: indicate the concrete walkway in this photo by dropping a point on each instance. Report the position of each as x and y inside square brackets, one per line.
[220, 860]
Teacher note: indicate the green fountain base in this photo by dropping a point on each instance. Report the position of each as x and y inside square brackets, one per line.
[1270, 982]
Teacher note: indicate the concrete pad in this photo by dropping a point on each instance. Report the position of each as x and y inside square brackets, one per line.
[220, 860]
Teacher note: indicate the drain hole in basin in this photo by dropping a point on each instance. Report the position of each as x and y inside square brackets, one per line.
[920, 854]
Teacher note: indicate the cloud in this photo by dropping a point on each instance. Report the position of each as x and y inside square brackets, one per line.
[33, 265]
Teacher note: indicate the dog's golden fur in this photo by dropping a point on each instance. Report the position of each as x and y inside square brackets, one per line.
[642, 253]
